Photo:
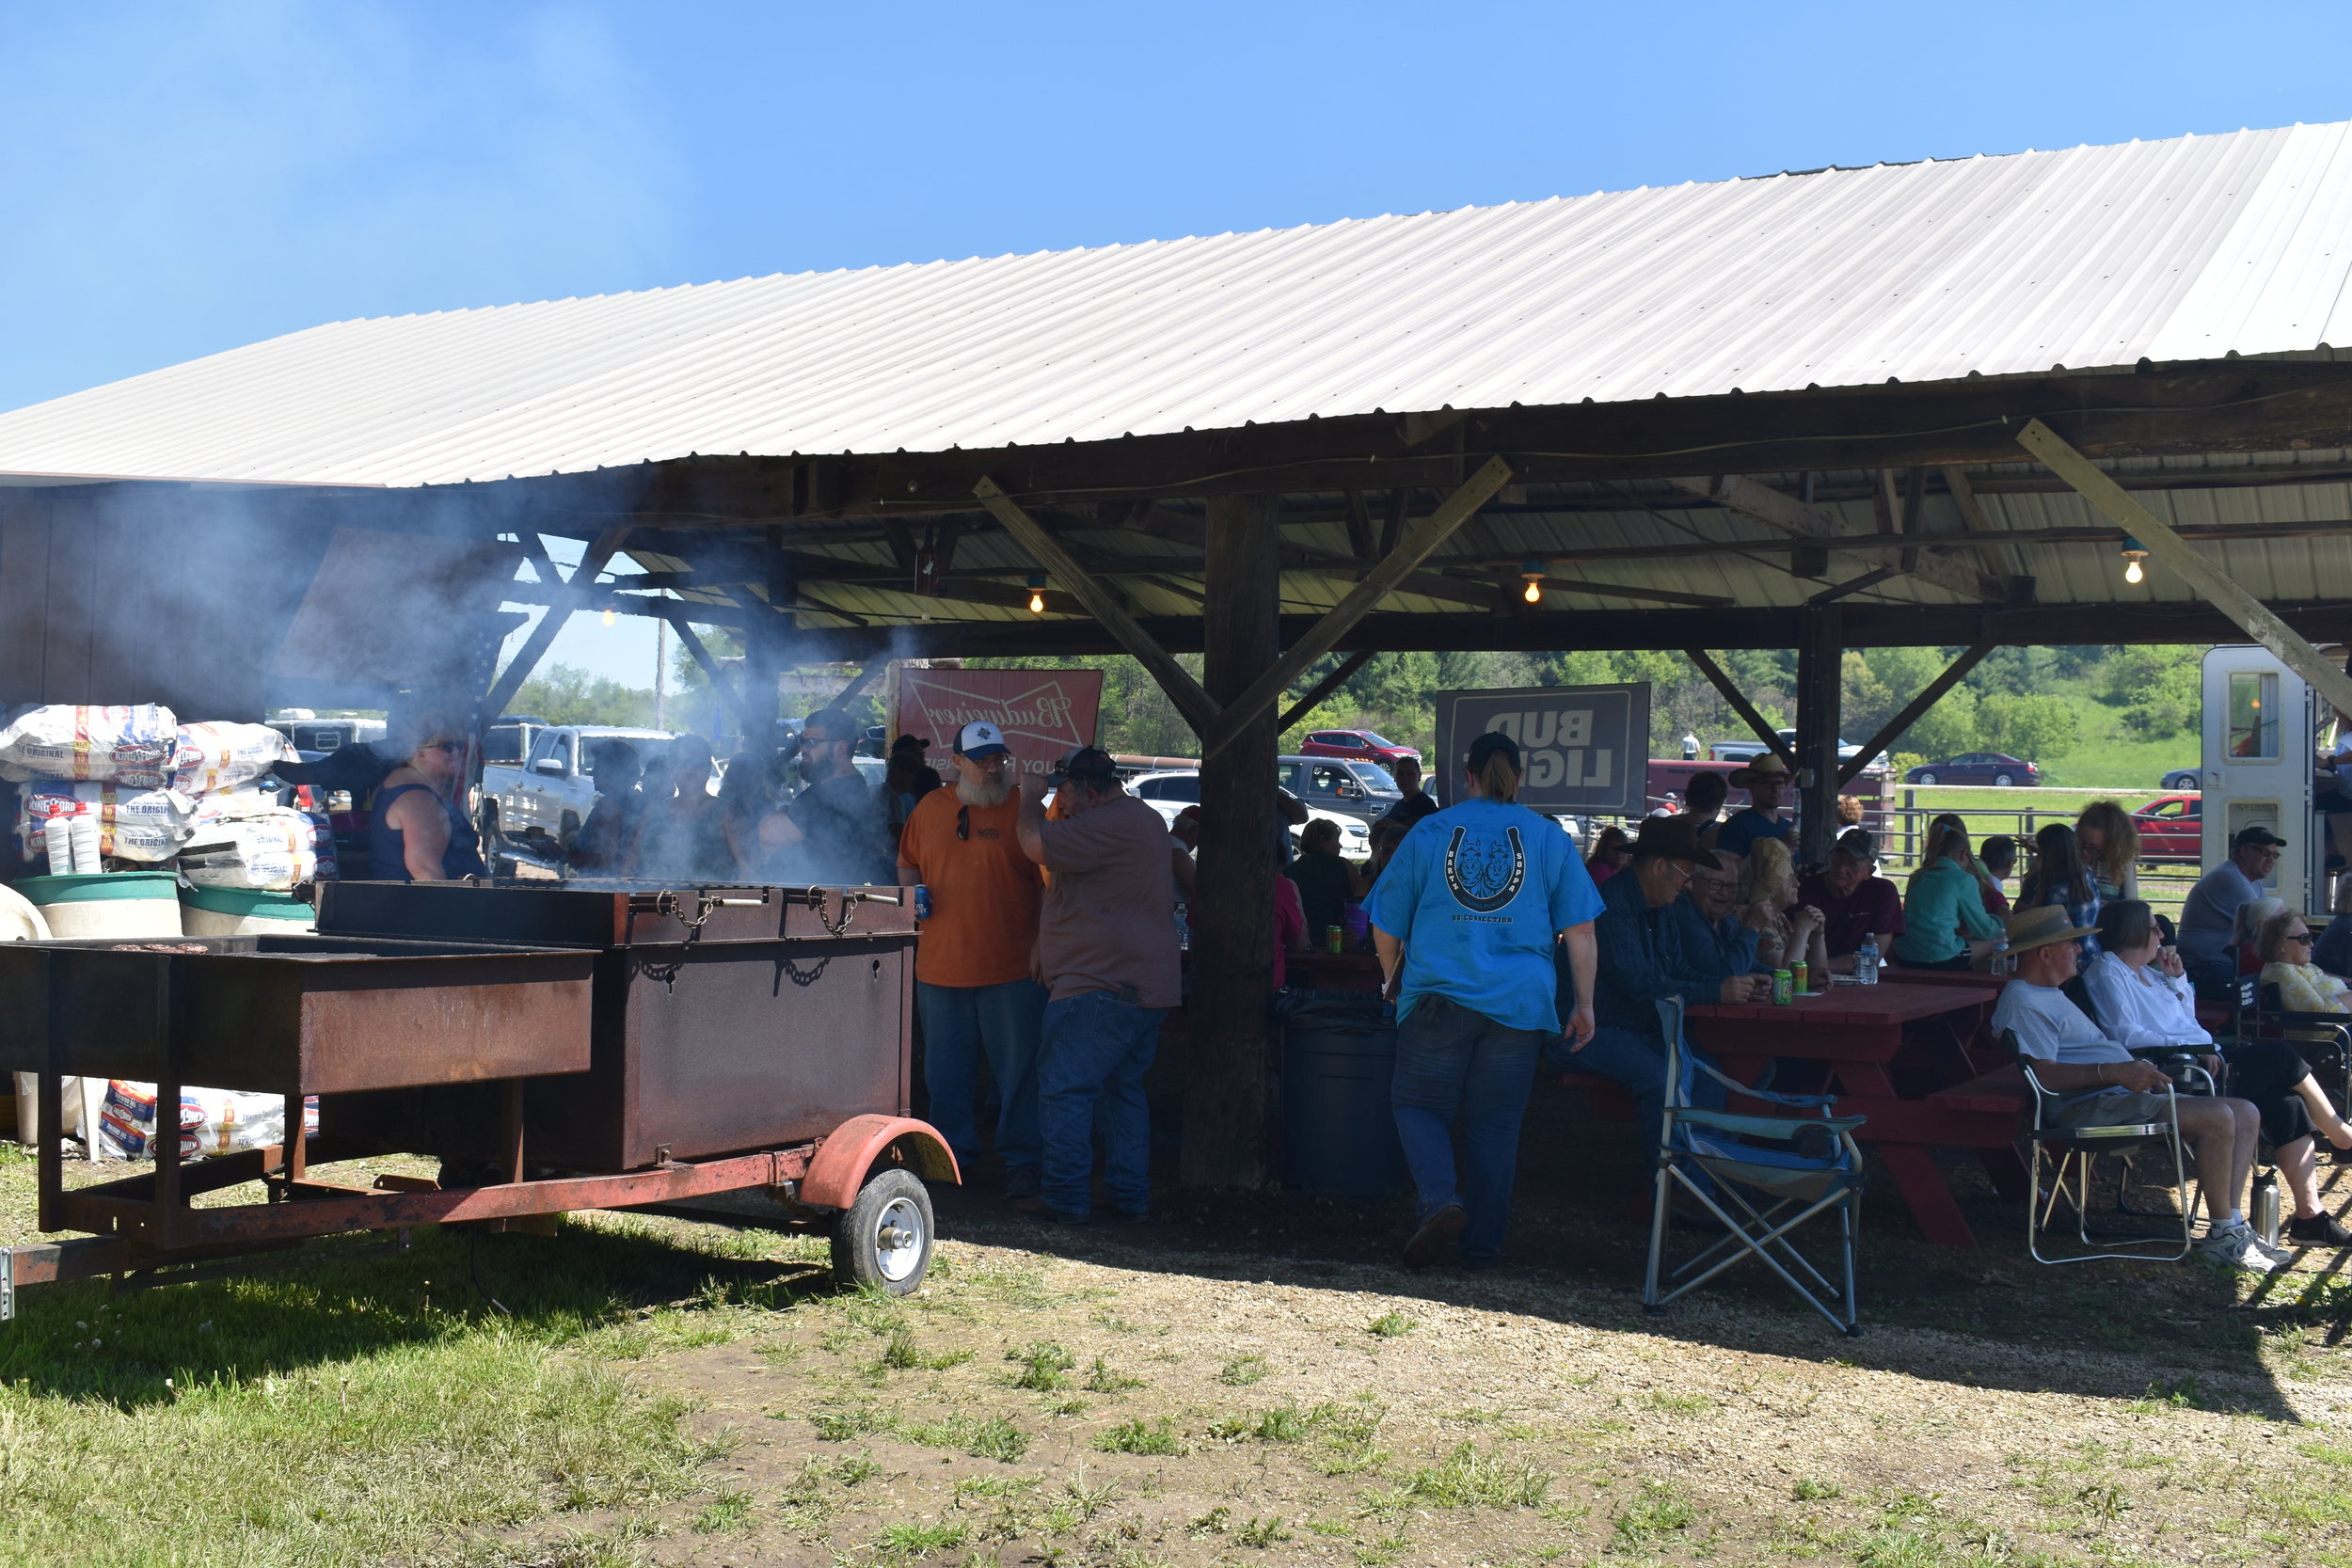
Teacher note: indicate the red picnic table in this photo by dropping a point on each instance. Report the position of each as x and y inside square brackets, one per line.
[1858, 1032]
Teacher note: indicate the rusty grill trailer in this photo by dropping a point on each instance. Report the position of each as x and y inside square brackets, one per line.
[612, 1052]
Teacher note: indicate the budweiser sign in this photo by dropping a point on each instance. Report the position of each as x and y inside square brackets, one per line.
[1043, 713]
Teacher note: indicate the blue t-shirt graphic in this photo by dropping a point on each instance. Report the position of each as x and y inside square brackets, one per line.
[1476, 893]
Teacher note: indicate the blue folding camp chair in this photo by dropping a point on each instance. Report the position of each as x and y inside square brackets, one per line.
[1796, 1167]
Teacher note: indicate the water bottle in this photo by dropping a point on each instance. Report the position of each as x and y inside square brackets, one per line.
[1865, 960]
[1183, 931]
[2000, 957]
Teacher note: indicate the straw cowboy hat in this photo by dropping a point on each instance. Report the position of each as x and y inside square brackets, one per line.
[1769, 766]
[2040, 926]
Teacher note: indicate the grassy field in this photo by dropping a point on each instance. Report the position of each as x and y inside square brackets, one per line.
[1249, 1382]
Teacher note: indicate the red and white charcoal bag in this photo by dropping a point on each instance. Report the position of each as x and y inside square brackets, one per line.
[212, 1122]
[133, 745]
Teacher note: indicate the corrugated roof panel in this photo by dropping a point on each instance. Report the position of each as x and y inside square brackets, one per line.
[2186, 248]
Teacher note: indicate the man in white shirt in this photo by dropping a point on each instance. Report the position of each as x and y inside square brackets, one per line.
[2105, 1085]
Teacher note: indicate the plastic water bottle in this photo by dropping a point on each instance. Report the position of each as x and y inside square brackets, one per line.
[2000, 958]
[1865, 960]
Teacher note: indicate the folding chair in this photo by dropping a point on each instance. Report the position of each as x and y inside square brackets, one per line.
[2074, 1149]
[1807, 1164]
[2322, 1039]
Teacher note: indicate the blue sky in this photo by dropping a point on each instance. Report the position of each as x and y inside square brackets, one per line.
[181, 178]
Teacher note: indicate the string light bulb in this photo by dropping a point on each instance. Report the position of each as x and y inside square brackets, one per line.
[1037, 594]
[1534, 572]
[610, 618]
[2134, 554]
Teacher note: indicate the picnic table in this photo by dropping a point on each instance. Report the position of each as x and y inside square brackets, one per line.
[1858, 1032]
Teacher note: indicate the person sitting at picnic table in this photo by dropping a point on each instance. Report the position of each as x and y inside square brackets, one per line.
[1856, 902]
[2060, 878]
[1611, 851]
[2284, 945]
[1766, 780]
[1944, 916]
[1785, 929]
[1703, 802]
[2109, 847]
[1643, 962]
[2139, 997]
[1386, 835]
[1415, 805]
[1996, 860]
[2209, 914]
[2102, 1084]
[1715, 943]
[1465, 920]
[1326, 884]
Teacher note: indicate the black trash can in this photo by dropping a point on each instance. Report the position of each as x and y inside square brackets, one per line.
[1339, 1053]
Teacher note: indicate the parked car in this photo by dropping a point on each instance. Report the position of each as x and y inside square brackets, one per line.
[1169, 793]
[1748, 751]
[1977, 768]
[1355, 743]
[2172, 829]
[550, 796]
[2181, 778]
[1344, 786]
[506, 740]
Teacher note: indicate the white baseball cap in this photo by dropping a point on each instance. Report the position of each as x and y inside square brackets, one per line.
[980, 738]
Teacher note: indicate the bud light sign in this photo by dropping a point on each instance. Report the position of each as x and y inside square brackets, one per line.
[1581, 748]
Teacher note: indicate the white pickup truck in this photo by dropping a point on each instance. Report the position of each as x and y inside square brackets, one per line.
[550, 795]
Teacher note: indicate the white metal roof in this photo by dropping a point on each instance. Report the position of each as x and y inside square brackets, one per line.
[2093, 257]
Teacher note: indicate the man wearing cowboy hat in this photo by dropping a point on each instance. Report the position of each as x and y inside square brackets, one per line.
[1642, 962]
[2102, 1084]
[1767, 781]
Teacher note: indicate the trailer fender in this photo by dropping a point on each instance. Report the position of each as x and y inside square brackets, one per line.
[843, 1160]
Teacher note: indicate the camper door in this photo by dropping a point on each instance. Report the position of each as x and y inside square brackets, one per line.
[2260, 724]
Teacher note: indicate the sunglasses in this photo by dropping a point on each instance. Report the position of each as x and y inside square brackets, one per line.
[964, 822]
[2302, 937]
[442, 746]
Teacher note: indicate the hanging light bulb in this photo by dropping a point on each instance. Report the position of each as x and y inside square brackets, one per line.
[610, 618]
[1534, 572]
[2134, 554]
[1037, 594]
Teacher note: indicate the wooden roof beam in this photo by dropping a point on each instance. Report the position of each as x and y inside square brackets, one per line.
[1762, 503]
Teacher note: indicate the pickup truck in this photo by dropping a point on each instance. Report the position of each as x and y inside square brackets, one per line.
[547, 797]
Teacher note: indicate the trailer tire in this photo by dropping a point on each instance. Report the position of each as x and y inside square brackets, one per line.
[884, 1240]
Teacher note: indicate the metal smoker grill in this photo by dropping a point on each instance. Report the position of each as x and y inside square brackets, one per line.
[558, 1046]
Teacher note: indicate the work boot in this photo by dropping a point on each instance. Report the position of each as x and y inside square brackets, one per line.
[1434, 1242]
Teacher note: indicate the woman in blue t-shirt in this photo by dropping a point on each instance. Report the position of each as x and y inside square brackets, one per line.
[1465, 919]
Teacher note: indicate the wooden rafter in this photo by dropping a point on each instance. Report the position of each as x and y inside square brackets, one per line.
[570, 592]
[1740, 705]
[1324, 687]
[1776, 510]
[1892, 730]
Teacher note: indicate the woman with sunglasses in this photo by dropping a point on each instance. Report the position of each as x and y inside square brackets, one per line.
[2284, 947]
[418, 833]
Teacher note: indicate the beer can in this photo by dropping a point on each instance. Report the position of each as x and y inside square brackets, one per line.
[1783, 991]
[1798, 977]
[1335, 938]
[922, 902]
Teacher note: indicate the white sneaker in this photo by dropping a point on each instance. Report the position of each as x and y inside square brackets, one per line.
[2238, 1247]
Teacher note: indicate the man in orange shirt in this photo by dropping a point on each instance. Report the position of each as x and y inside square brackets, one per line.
[973, 987]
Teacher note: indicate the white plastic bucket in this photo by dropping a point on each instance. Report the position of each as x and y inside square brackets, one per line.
[128, 904]
[236, 911]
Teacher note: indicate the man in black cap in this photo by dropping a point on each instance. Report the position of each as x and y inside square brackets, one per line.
[2209, 916]
[1643, 962]
[1106, 951]
[834, 832]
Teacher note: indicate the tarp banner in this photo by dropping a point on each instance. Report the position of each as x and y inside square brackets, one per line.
[1043, 713]
[1584, 748]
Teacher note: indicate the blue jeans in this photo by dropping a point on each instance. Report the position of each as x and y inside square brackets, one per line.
[1639, 1064]
[1451, 1061]
[960, 1024]
[1089, 1073]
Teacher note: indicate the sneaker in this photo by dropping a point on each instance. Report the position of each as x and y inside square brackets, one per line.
[2318, 1231]
[1434, 1240]
[1020, 1182]
[2238, 1247]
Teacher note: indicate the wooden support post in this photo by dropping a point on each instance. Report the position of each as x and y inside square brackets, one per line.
[1321, 638]
[1893, 729]
[1200, 711]
[1821, 654]
[1740, 705]
[1229, 1076]
[534, 647]
[1322, 688]
[2212, 584]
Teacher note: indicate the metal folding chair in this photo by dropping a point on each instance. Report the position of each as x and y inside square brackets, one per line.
[2073, 1149]
[1796, 1169]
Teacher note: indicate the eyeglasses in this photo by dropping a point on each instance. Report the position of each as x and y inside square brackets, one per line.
[2302, 937]
[964, 822]
[442, 746]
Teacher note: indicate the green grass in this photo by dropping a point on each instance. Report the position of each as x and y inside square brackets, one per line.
[1146, 1437]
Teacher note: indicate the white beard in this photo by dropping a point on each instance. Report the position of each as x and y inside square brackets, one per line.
[983, 791]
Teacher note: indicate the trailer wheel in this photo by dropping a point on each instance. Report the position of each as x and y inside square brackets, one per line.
[884, 1237]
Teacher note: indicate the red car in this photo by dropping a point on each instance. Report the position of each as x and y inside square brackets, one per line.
[2171, 829]
[1361, 744]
